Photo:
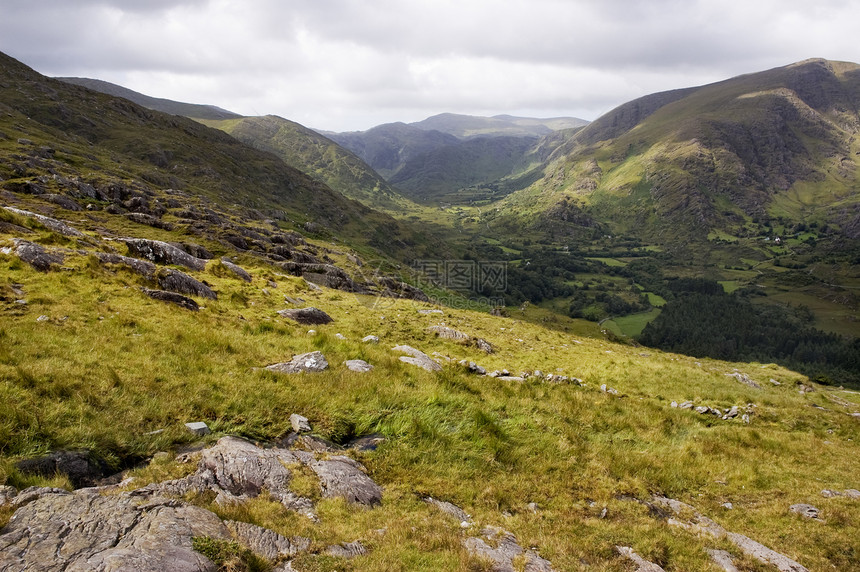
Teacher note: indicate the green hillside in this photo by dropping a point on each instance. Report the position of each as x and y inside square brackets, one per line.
[156, 273]
[317, 156]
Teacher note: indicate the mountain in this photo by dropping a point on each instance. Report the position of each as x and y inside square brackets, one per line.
[200, 368]
[779, 143]
[193, 110]
[130, 153]
[386, 148]
[456, 158]
[316, 155]
[468, 126]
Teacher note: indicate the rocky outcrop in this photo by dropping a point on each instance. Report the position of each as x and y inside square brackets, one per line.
[236, 470]
[344, 478]
[307, 316]
[86, 531]
[500, 547]
[358, 365]
[173, 298]
[35, 255]
[418, 358]
[309, 362]
[180, 282]
[704, 525]
[143, 267]
[642, 565]
[49, 223]
[235, 269]
[265, 542]
[162, 253]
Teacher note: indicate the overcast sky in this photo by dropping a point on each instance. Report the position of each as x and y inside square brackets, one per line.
[351, 64]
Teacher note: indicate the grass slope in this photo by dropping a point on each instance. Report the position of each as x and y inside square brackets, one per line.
[108, 367]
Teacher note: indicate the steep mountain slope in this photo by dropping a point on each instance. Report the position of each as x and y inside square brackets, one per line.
[193, 110]
[760, 146]
[77, 138]
[386, 148]
[315, 155]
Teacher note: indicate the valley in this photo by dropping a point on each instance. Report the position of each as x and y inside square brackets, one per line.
[255, 336]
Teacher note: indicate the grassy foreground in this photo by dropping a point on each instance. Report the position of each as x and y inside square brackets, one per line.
[109, 366]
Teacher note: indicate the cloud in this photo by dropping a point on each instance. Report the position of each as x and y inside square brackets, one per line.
[349, 64]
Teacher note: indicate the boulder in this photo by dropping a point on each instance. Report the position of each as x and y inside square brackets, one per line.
[449, 334]
[343, 477]
[313, 362]
[449, 509]
[143, 267]
[418, 358]
[36, 256]
[370, 339]
[745, 379]
[299, 423]
[358, 365]
[235, 269]
[49, 223]
[307, 316]
[176, 281]
[173, 298]
[804, 510]
[484, 345]
[199, 428]
[162, 253]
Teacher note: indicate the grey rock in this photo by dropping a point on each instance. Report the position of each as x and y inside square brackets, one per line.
[852, 494]
[472, 367]
[702, 409]
[180, 282]
[370, 339]
[829, 493]
[501, 548]
[173, 298]
[686, 405]
[427, 312]
[358, 365]
[484, 345]
[347, 549]
[731, 413]
[367, 442]
[499, 373]
[449, 509]
[7, 494]
[449, 334]
[162, 253]
[515, 378]
[418, 358]
[237, 470]
[198, 428]
[343, 477]
[804, 510]
[606, 389]
[307, 316]
[36, 256]
[142, 267]
[266, 543]
[313, 362]
[90, 532]
[49, 223]
[745, 379]
[235, 269]
[300, 423]
[746, 545]
[722, 559]
[642, 565]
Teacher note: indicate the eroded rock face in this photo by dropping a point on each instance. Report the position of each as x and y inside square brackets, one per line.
[182, 283]
[501, 548]
[86, 531]
[343, 477]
